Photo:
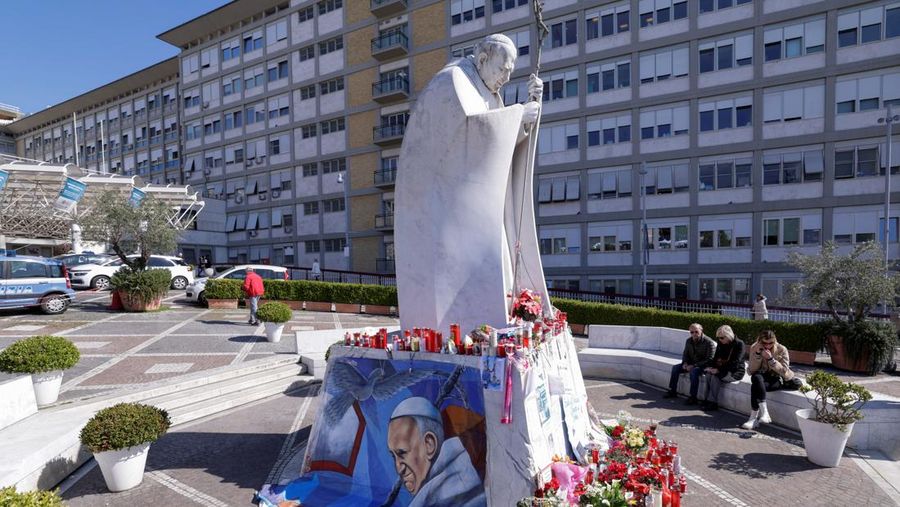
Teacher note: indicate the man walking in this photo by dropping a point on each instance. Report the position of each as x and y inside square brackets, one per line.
[253, 288]
[698, 352]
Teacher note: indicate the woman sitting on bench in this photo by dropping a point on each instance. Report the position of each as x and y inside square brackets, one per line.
[769, 371]
[726, 366]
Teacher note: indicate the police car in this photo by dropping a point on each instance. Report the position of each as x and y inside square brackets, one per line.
[27, 281]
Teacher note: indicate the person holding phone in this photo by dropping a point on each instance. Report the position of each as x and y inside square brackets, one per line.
[727, 366]
[769, 369]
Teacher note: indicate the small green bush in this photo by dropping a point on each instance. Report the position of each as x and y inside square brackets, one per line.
[799, 337]
[144, 286]
[274, 312]
[9, 497]
[39, 354]
[222, 288]
[865, 338]
[835, 402]
[124, 425]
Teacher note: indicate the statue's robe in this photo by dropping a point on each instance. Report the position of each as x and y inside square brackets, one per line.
[464, 201]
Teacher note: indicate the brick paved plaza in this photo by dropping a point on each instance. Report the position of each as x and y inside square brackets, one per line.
[221, 459]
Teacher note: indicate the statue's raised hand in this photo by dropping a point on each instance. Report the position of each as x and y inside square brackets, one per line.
[535, 88]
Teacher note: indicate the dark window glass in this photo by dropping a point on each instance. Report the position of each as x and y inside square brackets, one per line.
[609, 79]
[624, 133]
[707, 60]
[664, 130]
[772, 174]
[646, 132]
[624, 71]
[609, 136]
[725, 118]
[744, 116]
[742, 174]
[707, 119]
[848, 106]
[607, 25]
[793, 47]
[572, 142]
[726, 57]
[892, 23]
[623, 21]
[646, 19]
[571, 32]
[708, 177]
[707, 5]
[724, 4]
[847, 38]
[791, 172]
[843, 164]
[773, 51]
[871, 33]
[571, 88]
[663, 15]
[679, 10]
[593, 138]
[593, 83]
[724, 175]
[868, 104]
[592, 28]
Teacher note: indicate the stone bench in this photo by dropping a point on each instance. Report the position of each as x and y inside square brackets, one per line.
[647, 354]
[16, 399]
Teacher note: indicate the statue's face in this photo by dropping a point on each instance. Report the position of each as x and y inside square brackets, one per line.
[496, 69]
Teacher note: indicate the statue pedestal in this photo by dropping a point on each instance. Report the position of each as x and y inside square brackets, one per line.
[357, 453]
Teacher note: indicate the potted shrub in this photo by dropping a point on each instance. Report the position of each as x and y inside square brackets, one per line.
[850, 287]
[44, 358]
[221, 293]
[12, 498]
[827, 426]
[274, 315]
[141, 291]
[120, 436]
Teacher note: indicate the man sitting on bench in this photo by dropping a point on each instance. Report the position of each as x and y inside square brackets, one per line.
[698, 352]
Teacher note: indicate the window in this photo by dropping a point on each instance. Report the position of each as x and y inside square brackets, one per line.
[333, 205]
[726, 174]
[331, 45]
[522, 40]
[868, 25]
[667, 237]
[797, 39]
[253, 78]
[326, 6]
[306, 14]
[726, 53]
[501, 5]
[663, 65]
[612, 287]
[231, 49]
[655, 12]
[211, 126]
[666, 179]
[794, 104]
[308, 92]
[794, 167]
[609, 20]
[313, 245]
[253, 41]
[279, 107]
[231, 85]
[553, 246]
[559, 189]
[334, 166]
[335, 245]
[308, 131]
[310, 208]
[333, 125]
[254, 113]
[858, 161]
[310, 169]
[276, 32]
[562, 33]
[609, 130]
[608, 76]
[609, 238]
[556, 138]
[854, 94]
[307, 53]
[609, 184]
[560, 85]
[725, 232]
[463, 11]
[788, 232]
[277, 70]
[331, 86]
[726, 114]
[736, 290]
[191, 99]
[190, 64]
[664, 122]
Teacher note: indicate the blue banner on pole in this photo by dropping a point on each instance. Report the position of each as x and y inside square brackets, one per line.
[137, 195]
[4, 177]
[71, 193]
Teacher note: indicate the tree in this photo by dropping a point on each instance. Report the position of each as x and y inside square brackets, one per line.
[143, 229]
[849, 286]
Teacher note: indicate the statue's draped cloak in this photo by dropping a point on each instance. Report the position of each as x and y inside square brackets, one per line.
[464, 184]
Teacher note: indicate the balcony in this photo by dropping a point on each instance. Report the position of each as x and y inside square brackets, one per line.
[387, 135]
[385, 177]
[172, 163]
[390, 45]
[171, 136]
[386, 7]
[391, 89]
[384, 265]
[384, 222]
[154, 140]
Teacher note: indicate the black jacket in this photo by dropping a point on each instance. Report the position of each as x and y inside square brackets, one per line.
[698, 353]
[729, 359]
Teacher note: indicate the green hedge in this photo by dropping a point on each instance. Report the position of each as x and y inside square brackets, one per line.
[144, 285]
[39, 354]
[800, 337]
[303, 290]
[221, 288]
[9, 497]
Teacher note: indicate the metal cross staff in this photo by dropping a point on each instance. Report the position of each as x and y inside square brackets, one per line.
[542, 31]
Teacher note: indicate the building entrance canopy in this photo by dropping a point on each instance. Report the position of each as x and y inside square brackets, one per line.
[34, 196]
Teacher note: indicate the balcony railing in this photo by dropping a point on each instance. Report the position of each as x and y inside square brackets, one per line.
[172, 163]
[386, 7]
[388, 134]
[140, 143]
[385, 177]
[171, 136]
[384, 221]
[393, 88]
[385, 266]
[155, 139]
[390, 45]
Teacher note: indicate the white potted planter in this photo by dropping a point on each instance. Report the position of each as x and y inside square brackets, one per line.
[119, 437]
[44, 358]
[273, 331]
[827, 426]
[274, 315]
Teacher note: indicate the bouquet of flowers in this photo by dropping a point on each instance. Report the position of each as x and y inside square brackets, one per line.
[634, 438]
[610, 494]
[527, 306]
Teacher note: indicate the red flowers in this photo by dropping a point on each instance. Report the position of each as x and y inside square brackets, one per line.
[527, 306]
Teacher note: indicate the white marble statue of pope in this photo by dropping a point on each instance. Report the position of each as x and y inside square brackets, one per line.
[464, 196]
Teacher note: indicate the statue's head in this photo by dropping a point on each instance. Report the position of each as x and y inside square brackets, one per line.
[495, 59]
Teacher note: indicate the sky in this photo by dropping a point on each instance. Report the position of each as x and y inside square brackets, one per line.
[53, 50]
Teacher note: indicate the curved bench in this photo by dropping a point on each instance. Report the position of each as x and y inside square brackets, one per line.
[648, 354]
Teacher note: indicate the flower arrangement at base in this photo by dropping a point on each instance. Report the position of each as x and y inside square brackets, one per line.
[527, 306]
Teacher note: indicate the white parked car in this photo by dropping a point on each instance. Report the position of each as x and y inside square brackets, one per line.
[98, 276]
[195, 290]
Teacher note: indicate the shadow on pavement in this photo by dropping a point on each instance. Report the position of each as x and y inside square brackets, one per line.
[759, 465]
[246, 338]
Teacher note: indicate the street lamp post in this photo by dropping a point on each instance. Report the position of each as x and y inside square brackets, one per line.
[346, 183]
[888, 120]
[645, 252]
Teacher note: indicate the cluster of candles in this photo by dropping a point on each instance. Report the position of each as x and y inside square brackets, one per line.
[482, 342]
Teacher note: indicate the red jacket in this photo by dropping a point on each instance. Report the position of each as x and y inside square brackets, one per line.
[253, 285]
